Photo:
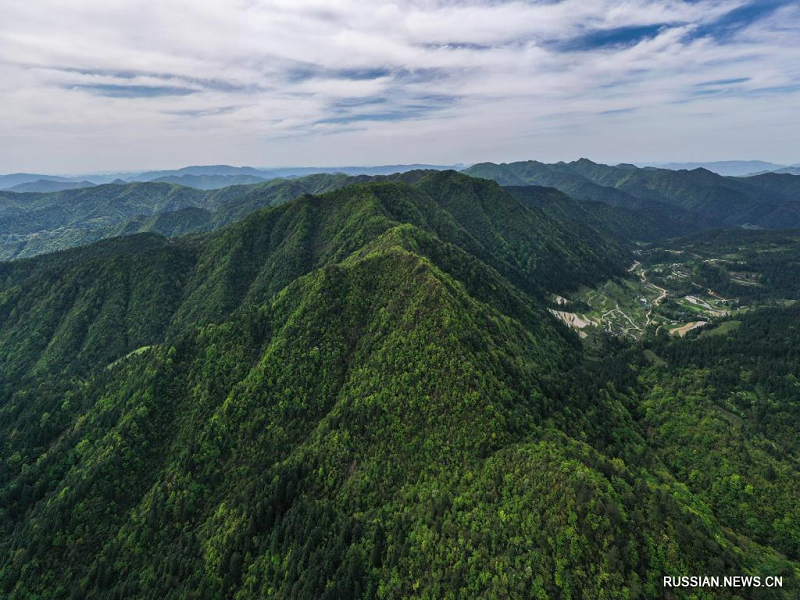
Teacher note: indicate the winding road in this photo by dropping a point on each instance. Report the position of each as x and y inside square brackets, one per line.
[662, 292]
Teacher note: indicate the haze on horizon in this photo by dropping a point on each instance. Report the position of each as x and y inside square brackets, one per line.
[130, 85]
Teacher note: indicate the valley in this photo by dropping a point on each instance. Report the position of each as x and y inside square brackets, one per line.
[669, 289]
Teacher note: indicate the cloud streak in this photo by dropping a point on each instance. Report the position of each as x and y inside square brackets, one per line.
[126, 84]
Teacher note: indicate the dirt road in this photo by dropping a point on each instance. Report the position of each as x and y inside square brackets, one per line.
[662, 292]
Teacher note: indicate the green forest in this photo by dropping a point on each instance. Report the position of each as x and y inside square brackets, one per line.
[338, 387]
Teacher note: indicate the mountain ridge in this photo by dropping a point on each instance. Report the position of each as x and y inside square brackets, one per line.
[722, 167]
[355, 394]
[699, 195]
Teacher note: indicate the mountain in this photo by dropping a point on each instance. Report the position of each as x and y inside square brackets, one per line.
[779, 185]
[657, 203]
[212, 176]
[8, 181]
[31, 224]
[361, 394]
[724, 167]
[182, 221]
[210, 182]
[49, 185]
[35, 223]
[699, 197]
[202, 171]
[212, 173]
[371, 171]
[625, 225]
[541, 174]
[787, 170]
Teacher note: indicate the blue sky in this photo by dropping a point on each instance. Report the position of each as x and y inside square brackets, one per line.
[124, 84]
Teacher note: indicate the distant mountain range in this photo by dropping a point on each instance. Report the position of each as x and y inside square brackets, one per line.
[734, 168]
[32, 224]
[201, 177]
[698, 197]
[49, 185]
[795, 170]
[203, 171]
[623, 201]
[14, 179]
[210, 182]
[211, 177]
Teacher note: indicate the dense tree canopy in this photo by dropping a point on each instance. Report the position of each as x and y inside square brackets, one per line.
[362, 394]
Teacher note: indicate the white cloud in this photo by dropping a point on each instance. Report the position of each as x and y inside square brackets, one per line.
[127, 84]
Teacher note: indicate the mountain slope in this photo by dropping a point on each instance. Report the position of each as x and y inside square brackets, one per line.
[795, 170]
[699, 196]
[359, 394]
[257, 257]
[735, 168]
[31, 224]
[536, 173]
[48, 185]
[204, 171]
[730, 200]
[625, 225]
[210, 182]
[12, 179]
